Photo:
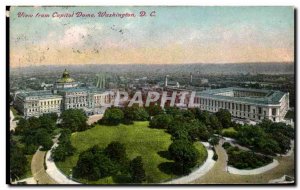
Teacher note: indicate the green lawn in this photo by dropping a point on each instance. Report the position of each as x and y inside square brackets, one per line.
[139, 139]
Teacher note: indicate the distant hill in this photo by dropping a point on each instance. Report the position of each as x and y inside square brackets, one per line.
[202, 68]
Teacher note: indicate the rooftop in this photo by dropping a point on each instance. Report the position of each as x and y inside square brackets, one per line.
[260, 96]
[65, 78]
[38, 95]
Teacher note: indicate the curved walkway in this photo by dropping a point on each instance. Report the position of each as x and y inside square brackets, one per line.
[53, 171]
[37, 169]
[219, 175]
[202, 170]
[256, 171]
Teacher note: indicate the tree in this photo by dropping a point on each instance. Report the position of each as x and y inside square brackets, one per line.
[74, 119]
[18, 161]
[154, 110]
[137, 170]
[141, 114]
[215, 123]
[161, 121]
[47, 122]
[197, 131]
[34, 123]
[214, 140]
[93, 164]
[172, 111]
[180, 134]
[224, 117]
[184, 154]
[203, 116]
[22, 126]
[64, 147]
[113, 116]
[135, 113]
[116, 151]
[43, 138]
[188, 114]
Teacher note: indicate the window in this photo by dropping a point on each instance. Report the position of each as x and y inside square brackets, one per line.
[274, 111]
[259, 110]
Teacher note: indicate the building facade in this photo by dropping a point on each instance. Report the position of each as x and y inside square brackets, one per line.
[249, 104]
[66, 94]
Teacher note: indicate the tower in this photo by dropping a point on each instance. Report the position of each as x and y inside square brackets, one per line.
[101, 80]
[166, 80]
[191, 78]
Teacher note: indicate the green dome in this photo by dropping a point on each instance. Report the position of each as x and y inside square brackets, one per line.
[65, 78]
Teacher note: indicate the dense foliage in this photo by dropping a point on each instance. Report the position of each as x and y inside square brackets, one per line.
[112, 116]
[96, 163]
[137, 171]
[135, 113]
[245, 159]
[266, 137]
[161, 121]
[18, 161]
[35, 132]
[64, 147]
[184, 154]
[74, 119]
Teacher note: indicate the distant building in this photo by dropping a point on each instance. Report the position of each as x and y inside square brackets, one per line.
[65, 95]
[252, 104]
[170, 84]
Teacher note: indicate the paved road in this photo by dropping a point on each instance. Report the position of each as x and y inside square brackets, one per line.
[94, 118]
[219, 175]
[38, 170]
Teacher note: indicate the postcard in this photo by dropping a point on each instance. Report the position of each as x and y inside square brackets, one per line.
[151, 95]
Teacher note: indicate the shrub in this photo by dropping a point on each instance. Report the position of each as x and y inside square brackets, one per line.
[226, 145]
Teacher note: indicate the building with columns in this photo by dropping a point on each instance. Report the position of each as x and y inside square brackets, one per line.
[251, 104]
[66, 94]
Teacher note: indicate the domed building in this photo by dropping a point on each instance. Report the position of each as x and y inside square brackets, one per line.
[66, 94]
[65, 81]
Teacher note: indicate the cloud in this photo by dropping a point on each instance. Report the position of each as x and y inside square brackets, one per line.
[74, 35]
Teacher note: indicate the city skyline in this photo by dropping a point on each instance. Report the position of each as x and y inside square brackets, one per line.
[175, 35]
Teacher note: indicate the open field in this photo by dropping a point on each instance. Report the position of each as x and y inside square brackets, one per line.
[139, 141]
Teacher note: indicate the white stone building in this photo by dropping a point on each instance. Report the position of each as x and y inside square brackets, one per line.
[250, 104]
[66, 94]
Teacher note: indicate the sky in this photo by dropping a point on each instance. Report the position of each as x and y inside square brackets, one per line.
[175, 35]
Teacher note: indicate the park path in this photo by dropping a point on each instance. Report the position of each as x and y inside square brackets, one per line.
[219, 175]
[38, 170]
[52, 169]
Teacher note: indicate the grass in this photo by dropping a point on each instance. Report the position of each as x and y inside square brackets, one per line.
[139, 140]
